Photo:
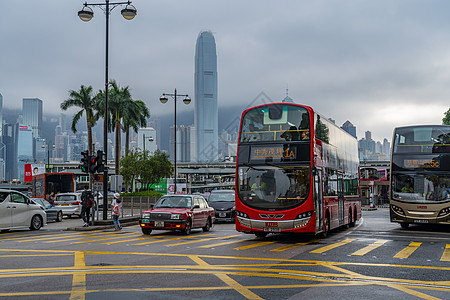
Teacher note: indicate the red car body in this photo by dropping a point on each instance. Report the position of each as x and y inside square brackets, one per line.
[178, 212]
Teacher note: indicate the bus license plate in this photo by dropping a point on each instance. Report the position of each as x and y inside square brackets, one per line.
[421, 221]
[272, 227]
[159, 224]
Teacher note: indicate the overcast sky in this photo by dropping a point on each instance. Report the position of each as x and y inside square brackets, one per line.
[379, 64]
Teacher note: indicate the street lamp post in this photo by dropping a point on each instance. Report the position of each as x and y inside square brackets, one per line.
[186, 100]
[86, 14]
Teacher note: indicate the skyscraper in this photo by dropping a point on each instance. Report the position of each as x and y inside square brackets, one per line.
[206, 116]
[350, 128]
[32, 115]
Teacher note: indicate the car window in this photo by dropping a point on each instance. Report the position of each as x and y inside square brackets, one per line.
[66, 197]
[221, 197]
[18, 198]
[203, 203]
[43, 203]
[196, 202]
[3, 196]
[174, 201]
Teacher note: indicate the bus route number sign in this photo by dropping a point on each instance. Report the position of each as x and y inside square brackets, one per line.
[274, 152]
[421, 163]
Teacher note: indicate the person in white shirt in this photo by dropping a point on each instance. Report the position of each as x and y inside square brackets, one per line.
[116, 205]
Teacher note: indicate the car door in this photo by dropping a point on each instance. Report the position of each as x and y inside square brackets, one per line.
[20, 210]
[198, 214]
[5, 210]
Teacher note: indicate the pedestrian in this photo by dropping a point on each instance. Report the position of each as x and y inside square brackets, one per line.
[51, 199]
[116, 210]
[87, 201]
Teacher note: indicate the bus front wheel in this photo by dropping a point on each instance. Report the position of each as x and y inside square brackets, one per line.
[404, 225]
[261, 234]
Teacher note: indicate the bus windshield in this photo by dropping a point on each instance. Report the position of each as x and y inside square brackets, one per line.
[276, 123]
[273, 187]
[422, 139]
[421, 187]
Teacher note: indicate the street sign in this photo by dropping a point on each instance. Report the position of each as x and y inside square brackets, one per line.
[98, 186]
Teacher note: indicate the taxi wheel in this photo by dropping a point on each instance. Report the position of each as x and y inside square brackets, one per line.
[187, 228]
[59, 216]
[207, 226]
[146, 231]
[36, 222]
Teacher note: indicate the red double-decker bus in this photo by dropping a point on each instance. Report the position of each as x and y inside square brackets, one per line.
[296, 172]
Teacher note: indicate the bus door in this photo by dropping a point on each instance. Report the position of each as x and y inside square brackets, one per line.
[318, 199]
[341, 198]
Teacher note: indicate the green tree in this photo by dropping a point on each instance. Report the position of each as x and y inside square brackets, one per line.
[135, 116]
[142, 167]
[446, 119]
[85, 100]
[118, 100]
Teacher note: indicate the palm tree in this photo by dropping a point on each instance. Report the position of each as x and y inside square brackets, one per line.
[84, 100]
[135, 116]
[118, 100]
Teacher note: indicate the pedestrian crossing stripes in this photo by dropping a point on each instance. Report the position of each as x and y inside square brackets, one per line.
[356, 247]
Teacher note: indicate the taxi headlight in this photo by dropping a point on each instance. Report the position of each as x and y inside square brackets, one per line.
[176, 217]
[444, 211]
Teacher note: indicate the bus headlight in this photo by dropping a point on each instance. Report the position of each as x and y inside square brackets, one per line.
[305, 215]
[398, 210]
[444, 211]
[241, 214]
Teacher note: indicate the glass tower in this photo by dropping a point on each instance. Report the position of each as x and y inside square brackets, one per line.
[32, 115]
[206, 111]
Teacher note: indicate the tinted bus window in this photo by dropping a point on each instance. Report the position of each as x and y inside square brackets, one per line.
[276, 123]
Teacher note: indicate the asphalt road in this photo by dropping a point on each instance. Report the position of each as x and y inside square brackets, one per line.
[375, 259]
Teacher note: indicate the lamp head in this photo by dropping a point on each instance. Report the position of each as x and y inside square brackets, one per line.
[163, 99]
[187, 100]
[129, 12]
[86, 14]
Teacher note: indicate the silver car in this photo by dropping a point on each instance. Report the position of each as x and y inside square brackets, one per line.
[69, 203]
[17, 211]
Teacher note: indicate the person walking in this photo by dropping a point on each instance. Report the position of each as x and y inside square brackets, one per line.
[87, 200]
[51, 199]
[116, 210]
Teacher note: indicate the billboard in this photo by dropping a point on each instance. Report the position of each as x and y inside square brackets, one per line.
[32, 170]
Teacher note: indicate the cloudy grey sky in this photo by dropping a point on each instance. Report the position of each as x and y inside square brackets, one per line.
[379, 64]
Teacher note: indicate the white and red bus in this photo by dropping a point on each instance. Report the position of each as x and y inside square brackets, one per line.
[296, 172]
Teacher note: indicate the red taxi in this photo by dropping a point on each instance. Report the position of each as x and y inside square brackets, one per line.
[178, 212]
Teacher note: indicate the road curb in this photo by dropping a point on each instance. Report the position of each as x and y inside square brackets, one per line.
[106, 224]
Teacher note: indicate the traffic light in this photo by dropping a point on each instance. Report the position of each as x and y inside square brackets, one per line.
[96, 163]
[92, 164]
[85, 162]
[100, 162]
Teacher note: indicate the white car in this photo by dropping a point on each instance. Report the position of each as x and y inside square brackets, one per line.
[17, 211]
[70, 203]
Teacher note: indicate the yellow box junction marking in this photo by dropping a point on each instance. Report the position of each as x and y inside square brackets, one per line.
[287, 247]
[446, 255]
[369, 248]
[405, 253]
[202, 240]
[332, 246]
[254, 245]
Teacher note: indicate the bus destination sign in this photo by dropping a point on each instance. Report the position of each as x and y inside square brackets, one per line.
[421, 163]
[274, 152]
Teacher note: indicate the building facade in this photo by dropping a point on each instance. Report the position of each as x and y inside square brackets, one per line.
[206, 118]
[32, 115]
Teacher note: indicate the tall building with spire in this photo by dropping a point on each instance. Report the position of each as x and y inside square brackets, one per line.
[206, 115]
